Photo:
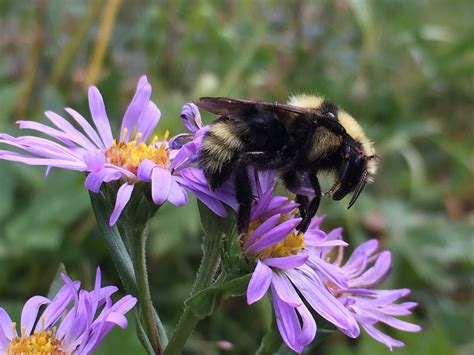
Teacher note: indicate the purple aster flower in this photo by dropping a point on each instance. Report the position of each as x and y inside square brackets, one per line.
[132, 158]
[364, 270]
[73, 322]
[296, 269]
[289, 271]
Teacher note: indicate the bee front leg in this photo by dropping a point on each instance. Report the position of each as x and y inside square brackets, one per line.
[292, 181]
[313, 206]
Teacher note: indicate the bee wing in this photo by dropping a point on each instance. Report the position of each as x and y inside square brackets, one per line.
[225, 106]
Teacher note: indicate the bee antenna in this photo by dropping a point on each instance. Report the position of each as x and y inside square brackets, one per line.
[359, 188]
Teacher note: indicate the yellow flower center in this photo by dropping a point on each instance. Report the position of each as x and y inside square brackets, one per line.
[291, 245]
[129, 155]
[40, 343]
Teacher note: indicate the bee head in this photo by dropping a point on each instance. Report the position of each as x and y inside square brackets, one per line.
[357, 172]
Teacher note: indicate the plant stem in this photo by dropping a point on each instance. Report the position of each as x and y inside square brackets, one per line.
[146, 309]
[204, 278]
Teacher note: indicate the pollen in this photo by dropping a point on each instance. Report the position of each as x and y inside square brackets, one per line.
[42, 342]
[129, 155]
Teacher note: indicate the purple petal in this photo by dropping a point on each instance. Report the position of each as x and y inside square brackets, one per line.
[145, 169]
[191, 117]
[30, 312]
[376, 274]
[286, 262]
[285, 290]
[70, 130]
[259, 283]
[99, 116]
[57, 306]
[381, 337]
[123, 196]
[94, 180]
[6, 324]
[56, 163]
[135, 109]
[322, 301]
[212, 203]
[178, 196]
[308, 331]
[263, 228]
[148, 121]
[86, 127]
[52, 132]
[274, 236]
[287, 323]
[160, 185]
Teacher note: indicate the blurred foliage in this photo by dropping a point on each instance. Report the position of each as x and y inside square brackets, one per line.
[405, 69]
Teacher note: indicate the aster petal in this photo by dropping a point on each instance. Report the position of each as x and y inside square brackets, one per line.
[322, 301]
[30, 310]
[145, 169]
[263, 228]
[57, 306]
[287, 323]
[161, 181]
[286, 262]
[285, 290]
[99, 116]
[274, 236]
[212, 203]
[137, 106]
[309, 329]
[93, 136]
[148, 121]
[178, 196]
[358, 260]
[381, 337]
[376, 274]
[259, 283]
[52, 132]
[123, 196]
[94, 180]
[56, 163]
[6, 324]
[94, 159]
[191, 117]
[70, 130]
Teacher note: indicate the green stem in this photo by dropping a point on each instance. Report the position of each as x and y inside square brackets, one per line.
[204, 278]
[146, 309]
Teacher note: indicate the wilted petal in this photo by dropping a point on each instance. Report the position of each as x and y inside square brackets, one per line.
[123, 196]
[259, 283]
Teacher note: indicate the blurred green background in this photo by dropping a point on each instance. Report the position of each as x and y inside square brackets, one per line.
[404, 69]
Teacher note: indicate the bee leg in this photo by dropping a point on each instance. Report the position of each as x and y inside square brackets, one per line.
[243, 193]
[313, 206]
[292, 181]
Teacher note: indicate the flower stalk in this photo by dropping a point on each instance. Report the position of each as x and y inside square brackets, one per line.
[204, 278]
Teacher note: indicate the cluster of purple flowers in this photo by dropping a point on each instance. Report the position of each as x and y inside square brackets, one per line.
[298, 271]
[74, 322]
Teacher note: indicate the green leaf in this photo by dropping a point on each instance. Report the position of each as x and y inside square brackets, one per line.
[205, 302]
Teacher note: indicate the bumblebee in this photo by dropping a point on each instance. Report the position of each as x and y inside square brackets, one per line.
[300, 140]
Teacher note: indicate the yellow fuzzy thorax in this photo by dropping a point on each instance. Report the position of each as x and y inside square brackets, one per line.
[129, 155]
[291, 245]
[349, 123]
[42, 342]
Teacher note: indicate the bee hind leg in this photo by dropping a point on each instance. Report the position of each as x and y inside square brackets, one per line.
[243, 193]
[291, 179]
